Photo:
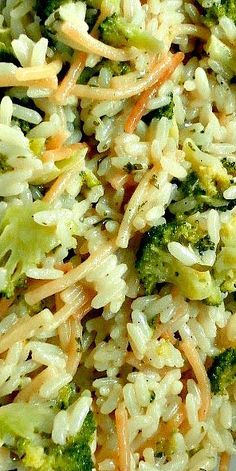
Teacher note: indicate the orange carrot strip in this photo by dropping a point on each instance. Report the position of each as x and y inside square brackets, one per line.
[56, 141]
[74, 275]
[65, 267]
[224, 462]
[199, 370]
[141, 105]
[71, 77]
[122, 436]
[57, 187]
[4, 305]
[62, 153]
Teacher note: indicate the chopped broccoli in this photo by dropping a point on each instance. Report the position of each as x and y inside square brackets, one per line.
[66, 396]
[116, 68]
[24, 420]
[25, 429]
[204, 186]
[117, 32]
[76, 454]
[222, 373]
[224, 268]
[32, 243]
[156, 265]
[204, 244]
[212, 14]
[165, 111]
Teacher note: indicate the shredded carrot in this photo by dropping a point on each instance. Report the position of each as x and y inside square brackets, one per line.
[39, 72]
[65, 267]
[58, 301]
[56, 141]
[121, 417]
[4, 305]
[77, 37]
[141, 105]
[70, 278]
[62, 153]
[10, 80]
[224, 462]
[167, 335]
[199, 370]
[165, 430]
[71, 77]
[57, 187]
[33, 283]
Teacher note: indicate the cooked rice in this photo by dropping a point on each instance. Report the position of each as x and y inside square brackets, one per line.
[77, 314]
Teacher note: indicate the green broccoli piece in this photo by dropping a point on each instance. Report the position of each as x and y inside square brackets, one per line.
[116, 68]
[32, 243]
[24, 420]
[222, 373]
[66, 396]
[212, 14]
[204, 244]
[117, 32]
[156, 265]
[76, 454]
[25, 429]
[165, 111]
[204, 186]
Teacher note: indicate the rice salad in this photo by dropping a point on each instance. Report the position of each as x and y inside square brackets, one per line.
[117, 235]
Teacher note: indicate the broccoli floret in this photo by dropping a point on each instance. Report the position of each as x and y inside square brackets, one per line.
[117, 32]
[165, 111]
[116, 68]
[204, 186]
[66, 396]
[76, 454]
[32, 243]
[23, 420]
[156, 265]
[224, 268]
[212, 14]
[222, 373]
[204, 244]
[25, 429]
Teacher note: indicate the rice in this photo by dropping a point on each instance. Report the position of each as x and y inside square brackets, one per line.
[114, 362]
